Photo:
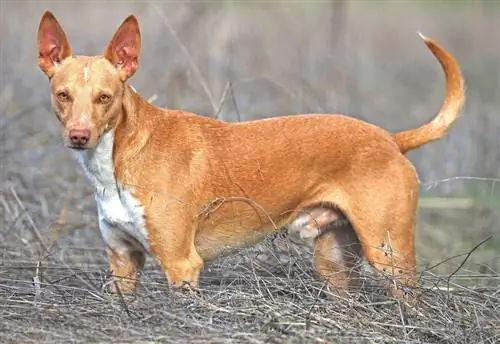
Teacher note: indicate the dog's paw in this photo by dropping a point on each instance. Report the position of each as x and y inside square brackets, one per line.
[184, 288]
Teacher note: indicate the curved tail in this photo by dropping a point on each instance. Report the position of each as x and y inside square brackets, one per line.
[450, 110]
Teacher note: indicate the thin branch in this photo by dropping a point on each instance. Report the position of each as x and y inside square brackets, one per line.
[434, 184]
[190, 59]
[466, 258]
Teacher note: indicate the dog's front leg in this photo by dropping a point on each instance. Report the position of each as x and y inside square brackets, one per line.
[172, 242]
[125, 260]
[182, 272]
[125, 266]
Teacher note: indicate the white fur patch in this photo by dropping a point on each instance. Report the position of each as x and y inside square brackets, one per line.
[121, 216]
[86, 74]
[337, 255]
[298, 226]
[84, 119]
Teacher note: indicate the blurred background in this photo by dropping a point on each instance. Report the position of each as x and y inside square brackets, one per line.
[241, 60]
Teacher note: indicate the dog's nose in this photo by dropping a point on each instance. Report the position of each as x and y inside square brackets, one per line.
[79, 137]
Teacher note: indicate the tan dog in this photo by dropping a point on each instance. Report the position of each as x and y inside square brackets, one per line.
[188, 188]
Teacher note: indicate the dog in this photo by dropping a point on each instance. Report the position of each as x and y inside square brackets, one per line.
[187, 188]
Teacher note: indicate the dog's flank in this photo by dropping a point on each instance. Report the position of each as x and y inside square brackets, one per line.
[160, 169]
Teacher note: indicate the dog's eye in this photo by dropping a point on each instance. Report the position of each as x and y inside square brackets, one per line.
[62, 96]
[104, 98]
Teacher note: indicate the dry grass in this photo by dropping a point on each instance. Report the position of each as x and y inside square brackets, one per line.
[268, 59]
[262, 295]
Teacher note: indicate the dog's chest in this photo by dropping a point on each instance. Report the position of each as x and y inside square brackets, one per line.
[121, 215]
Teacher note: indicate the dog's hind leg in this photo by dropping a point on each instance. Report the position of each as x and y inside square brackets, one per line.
[338, 256]
[383, 214]
[337, 250]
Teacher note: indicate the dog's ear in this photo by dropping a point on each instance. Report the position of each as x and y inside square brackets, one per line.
[53, 45]
[124, 48]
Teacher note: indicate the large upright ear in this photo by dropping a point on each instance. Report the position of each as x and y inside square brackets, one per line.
[53, 45]
[125, 47]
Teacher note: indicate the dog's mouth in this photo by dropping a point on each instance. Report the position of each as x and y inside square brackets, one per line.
[77, 147]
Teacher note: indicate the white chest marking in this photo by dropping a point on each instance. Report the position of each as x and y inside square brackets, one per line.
[121, 216]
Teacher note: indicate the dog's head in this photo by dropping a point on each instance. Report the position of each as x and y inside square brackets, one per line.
[87, 91]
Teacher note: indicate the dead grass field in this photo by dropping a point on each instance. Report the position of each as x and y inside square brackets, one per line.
[269, 59]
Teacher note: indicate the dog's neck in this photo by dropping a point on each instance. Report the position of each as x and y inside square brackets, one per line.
[98, 165]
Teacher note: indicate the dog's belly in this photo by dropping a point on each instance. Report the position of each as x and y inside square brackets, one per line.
[225, 231]
[121, 220]
[221, 242]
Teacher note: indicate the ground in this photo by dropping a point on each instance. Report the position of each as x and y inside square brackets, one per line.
[265, 294]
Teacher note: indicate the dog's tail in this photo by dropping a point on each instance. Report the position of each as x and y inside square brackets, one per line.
[450, 110]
